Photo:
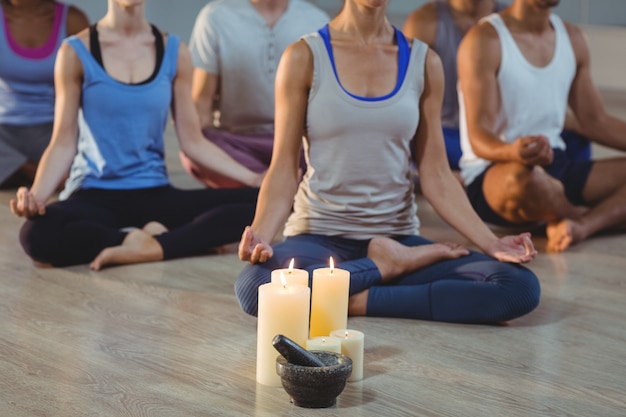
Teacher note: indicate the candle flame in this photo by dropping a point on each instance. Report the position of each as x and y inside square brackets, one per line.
[291, 266]
[332, 265]
[323, 340]
[282, 279]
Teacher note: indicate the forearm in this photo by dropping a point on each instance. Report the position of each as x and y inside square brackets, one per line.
[274, 203]
[489, 146]
[608, 131]
[53, 168]
[213, 158]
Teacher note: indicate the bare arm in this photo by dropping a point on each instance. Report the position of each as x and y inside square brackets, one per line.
[76, 20]
[293, 81]
[187, 124]
[478, 63]
[422, 24]
[440, 187]
[204, 92]
[57, 158]
[584, 99]
[479, 59]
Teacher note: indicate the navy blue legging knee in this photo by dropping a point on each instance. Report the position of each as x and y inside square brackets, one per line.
[471, 289]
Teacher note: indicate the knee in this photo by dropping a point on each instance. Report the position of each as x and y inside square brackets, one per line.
[247, 287]
[36, 241]
[523, 293]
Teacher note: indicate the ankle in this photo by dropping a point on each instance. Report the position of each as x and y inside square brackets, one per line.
[357, 304]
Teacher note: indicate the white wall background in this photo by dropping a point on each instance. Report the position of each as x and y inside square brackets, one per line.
[604, 22]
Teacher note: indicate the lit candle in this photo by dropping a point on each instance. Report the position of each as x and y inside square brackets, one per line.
[329, 300]
[352, 343]
[325, 343]
[292, 276]
[283, 309]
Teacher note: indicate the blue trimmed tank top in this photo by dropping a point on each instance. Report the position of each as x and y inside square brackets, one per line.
[120, 142]
[27, 74]
[358, 182]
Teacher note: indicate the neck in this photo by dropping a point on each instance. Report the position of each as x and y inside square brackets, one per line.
[473, 8]
[25, 4]
[270, 5]
[129, 20]
[270, 10]
[364, 24]
[531, 17]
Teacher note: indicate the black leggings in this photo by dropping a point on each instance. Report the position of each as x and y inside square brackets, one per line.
[74, 231]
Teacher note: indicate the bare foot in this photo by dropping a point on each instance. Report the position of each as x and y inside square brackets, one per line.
[578, 212]
[393, 259]
[154, 228]
[138, 246]
[357, 303]
[562, 234]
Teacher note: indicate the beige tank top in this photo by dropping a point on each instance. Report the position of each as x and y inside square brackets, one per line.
[358, 182]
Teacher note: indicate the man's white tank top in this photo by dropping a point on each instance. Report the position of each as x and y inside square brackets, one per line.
[533, 100]
[358, 182]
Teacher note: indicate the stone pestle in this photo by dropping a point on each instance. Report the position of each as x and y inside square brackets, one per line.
[294, 353]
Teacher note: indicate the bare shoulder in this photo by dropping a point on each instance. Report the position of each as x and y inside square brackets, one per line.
[422, 23]
[68, 63]
[484, 34]
[296, 65]
[298, 54]
[433, 63]
[183, 61]
[480, 46]
[77, 20]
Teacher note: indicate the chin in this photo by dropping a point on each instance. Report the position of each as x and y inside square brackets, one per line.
[130, 3]
[547, 4]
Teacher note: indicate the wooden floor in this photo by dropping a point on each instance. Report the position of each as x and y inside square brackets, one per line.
[168, 339]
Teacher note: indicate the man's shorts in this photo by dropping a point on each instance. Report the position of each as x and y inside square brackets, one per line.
[572, 174]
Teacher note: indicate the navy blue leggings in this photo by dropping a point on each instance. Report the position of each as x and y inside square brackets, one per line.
[470, 289]
[74, 231]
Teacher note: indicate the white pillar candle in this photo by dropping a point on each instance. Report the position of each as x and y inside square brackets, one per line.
[352, 344]
[283, 309]
[329, 300]
[325, 343]
[292, 276]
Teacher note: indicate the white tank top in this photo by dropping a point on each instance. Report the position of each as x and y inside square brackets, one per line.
[533, 99]
[358, 182]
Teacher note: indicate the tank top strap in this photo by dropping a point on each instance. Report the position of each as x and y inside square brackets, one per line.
[90, 66]
[403, 62]
[498, 24]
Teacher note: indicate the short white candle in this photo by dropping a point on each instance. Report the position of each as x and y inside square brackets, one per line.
[352, 346]
[292, 276]
[325, 343]
[329, 300]
[283, 309]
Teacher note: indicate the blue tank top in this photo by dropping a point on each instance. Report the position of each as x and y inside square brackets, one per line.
[120, 143]
[27, 74]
